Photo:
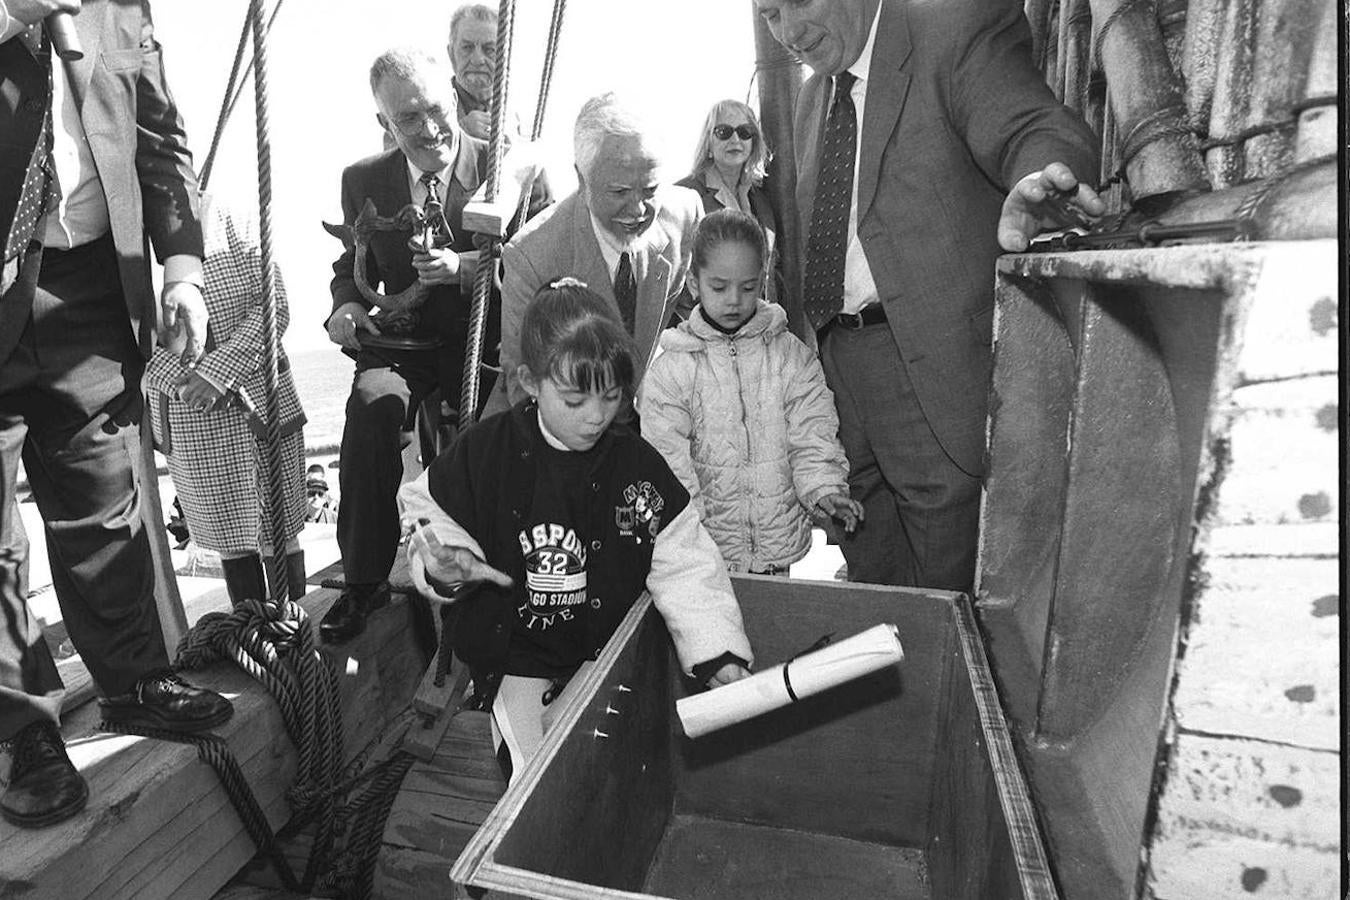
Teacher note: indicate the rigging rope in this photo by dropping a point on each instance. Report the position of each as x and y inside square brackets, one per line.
[487, 263]
[271, 638]
[234, 89]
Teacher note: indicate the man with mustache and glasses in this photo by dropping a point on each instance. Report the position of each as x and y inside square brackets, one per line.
[926, 142]
[432, 161]
[622, 233]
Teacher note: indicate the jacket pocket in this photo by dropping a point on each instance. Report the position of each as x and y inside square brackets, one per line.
[124, 59]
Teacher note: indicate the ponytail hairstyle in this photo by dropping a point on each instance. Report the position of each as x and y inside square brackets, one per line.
[570, 335]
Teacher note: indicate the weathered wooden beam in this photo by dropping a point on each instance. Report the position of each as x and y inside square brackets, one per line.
[158, 822]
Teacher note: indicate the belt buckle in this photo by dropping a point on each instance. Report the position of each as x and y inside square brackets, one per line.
[852, 321]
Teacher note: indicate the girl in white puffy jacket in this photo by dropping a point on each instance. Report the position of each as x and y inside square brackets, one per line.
[739, 408]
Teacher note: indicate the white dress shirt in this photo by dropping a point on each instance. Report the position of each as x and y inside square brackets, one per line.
[860, 288]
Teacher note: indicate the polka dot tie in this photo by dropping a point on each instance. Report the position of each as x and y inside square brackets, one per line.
[433, 209]
[625, 290]
[37, 180]
[827, 244]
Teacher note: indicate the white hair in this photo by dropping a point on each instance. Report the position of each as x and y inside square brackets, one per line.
[601, 117]
[406, 64]
[479, 12]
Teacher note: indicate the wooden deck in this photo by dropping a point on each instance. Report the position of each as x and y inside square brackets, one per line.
[158, 823]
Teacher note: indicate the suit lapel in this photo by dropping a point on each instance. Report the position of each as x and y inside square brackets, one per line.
[654, 267]
[886, 90]
[89, 26]
[587, 260]
[396, 182]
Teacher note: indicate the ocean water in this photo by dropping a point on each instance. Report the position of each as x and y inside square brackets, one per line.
[323, 376]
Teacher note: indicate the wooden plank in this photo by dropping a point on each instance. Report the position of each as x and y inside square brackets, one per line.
[1279, 619]
[1243, 817]
[590, 806]
[1030, 402]
[972, 851]
[1290, 326]
[158, 823]
[1121, 518]
[1282, 447]
[440, 806]
[1305, 539]
[713, 859]
[827, 745]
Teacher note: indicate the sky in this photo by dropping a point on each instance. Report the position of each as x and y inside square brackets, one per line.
[675, 57]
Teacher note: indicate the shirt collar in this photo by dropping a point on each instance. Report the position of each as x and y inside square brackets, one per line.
[611, 247]
[464, 168]
[863, 65]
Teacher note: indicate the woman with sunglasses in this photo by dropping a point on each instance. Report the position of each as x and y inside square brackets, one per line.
[728, 173]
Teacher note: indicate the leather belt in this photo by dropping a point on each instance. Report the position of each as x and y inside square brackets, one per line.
[875, 314]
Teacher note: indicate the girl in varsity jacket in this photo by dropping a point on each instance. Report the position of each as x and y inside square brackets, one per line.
[564, 518]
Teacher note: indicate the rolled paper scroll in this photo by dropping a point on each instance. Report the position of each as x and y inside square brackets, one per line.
[866, 652]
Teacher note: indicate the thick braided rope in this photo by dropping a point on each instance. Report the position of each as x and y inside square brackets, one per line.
[354, 873]
[272, 474]
[483, 278]
[216, 753]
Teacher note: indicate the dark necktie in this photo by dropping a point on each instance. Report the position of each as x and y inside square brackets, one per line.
[433, 209]
[827, 245]
[625, 290]
[37, 180]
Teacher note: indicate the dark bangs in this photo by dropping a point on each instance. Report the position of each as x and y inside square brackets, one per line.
[590, 359]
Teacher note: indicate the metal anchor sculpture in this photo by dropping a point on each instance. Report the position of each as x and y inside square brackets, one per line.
[399, 314]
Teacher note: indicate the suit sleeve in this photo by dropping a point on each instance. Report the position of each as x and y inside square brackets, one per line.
[1000, 103]
[819, 466]
[684, 299]
[163, 162]
[520, 281]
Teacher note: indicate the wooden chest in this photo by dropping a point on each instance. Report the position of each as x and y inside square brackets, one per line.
[901, 784]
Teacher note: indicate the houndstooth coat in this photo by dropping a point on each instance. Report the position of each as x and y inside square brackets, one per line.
[218, 459]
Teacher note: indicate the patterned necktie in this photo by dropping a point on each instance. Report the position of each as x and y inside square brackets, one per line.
[37, 180]
[827, 245]
[433, 208]
[625, 290]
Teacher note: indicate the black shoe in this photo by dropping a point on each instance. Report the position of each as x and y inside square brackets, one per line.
[163, 700]
[346, 618]
[44, 788]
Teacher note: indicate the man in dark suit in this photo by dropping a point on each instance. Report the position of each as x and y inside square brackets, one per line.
[925, 138]
[416, 106]
[93, 161]
[627, 237]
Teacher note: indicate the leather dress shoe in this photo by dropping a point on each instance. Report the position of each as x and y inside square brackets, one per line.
[346, 618]
[161, 699]
[44, 787]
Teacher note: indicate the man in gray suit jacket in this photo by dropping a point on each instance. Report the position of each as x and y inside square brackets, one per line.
[93, 166]
[941, 142]
[619, 221]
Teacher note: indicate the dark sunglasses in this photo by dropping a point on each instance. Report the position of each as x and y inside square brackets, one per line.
[744, 132]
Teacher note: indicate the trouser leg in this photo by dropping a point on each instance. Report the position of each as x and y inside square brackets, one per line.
[922, 510]
[370, 465]
[244, 578]
[73, 381]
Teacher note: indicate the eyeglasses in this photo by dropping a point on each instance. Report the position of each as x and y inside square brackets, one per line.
[414, 123]
[744, 132]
